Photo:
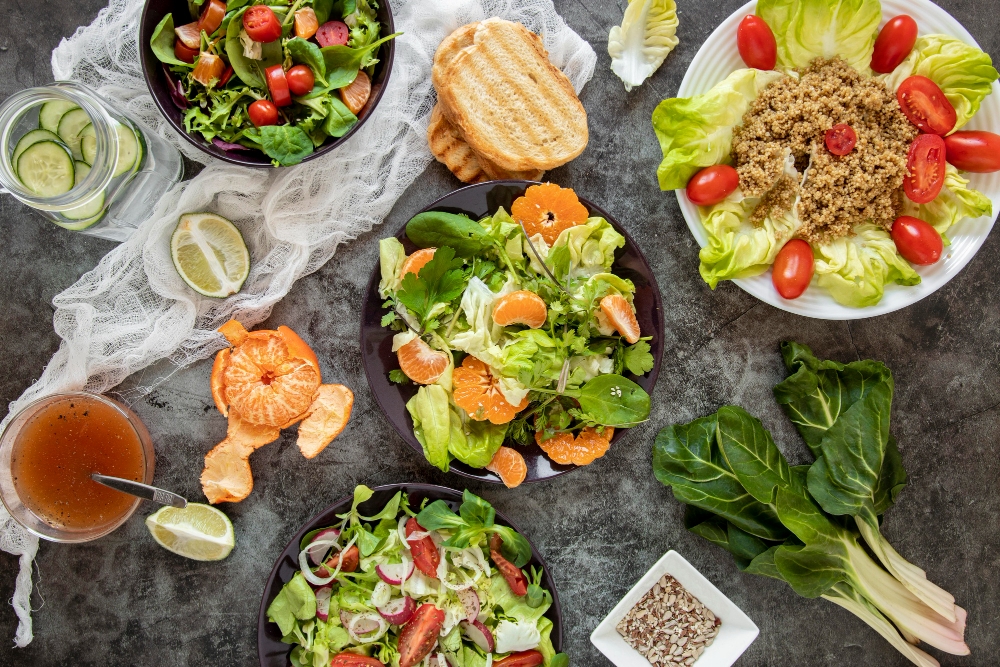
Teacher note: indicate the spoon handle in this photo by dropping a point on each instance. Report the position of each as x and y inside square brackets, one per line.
[143, 491]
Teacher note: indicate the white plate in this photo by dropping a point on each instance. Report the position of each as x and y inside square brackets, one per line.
[736, 632]
[718, 57]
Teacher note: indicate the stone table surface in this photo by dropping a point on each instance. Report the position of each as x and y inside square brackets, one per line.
[125, 601]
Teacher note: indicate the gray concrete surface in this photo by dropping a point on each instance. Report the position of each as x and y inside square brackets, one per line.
[124, 601]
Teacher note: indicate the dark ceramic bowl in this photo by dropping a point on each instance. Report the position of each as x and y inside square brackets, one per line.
[477, 201]
[273, 653]
[156, 81]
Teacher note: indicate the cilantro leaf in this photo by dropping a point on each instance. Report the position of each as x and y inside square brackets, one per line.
[398, 376]
[441, 280]
[389, 318]
[638, 359]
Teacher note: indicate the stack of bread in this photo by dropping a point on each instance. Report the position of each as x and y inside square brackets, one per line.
[503, 111]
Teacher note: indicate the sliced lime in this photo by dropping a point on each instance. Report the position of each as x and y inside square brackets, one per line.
[198, 531]
[209, 254]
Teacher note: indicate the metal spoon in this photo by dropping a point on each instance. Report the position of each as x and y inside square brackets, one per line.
[138, 490]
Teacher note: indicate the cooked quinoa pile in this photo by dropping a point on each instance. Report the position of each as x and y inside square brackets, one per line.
[792, 116]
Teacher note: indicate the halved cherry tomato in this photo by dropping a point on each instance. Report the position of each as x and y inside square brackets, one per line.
[346, 659]
[420, 635]
[263, 112]
[333, 33]
[300, 79]
[925, 105]
[211, 16]
[522, 659]
[841, 139]
[189, 34]
[425, 554]
[894, 43]
[182, 52]
[974, 150]
[925, 168]
[349, 559]
[226, 76]
[756, 43]
[355, 96]
[261, 24]
[793, 269]
[916, 241]
[209, 68]
[712, 184]
[306, 23]
[515, 578]
[277, 84]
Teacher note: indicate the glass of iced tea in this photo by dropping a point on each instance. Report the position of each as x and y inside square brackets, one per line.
[48, 452]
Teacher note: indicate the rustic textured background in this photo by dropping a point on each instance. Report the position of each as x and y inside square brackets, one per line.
[124, 601]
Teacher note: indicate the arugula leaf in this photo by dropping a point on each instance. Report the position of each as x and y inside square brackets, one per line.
[286, 145]
[307, 53]
[638, 359]
[435, 229]
[441, 280]
[162, 43]
[398, 376]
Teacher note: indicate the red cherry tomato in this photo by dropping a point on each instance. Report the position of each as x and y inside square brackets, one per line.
[975, 151]
[184, 53]
[925, 168]
[712, 184]
[277, 84]
[515, 578]
[211, 16]
[917, 242]
[263, 112]
[756, 43]
[894, 43]
[346, 659]
[300, 79]
[425, 554]
[925, 105]
[793, 269]
[348, 559]
[523, 659]
[333, 33]
[226, 76]
[841, 139]
[261, 24]
[420, 635]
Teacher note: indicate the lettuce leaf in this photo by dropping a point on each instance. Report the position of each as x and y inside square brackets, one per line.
[391, 257]
[809, 29]
[956, 202]
[697, 132]
[638, 46]
[856, 268]
[473, 442]
[591, 248]
[431, 413]
[295, 601]
[964, 72]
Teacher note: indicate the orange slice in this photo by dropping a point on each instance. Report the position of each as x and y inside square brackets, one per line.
[227, 476]
[582, 450]
[621, 316]
[510, 465]
[326, 418]
[548, 209]
[478, 393]
[417, 261]
[421, 363]
[355, 96]
[520, 307]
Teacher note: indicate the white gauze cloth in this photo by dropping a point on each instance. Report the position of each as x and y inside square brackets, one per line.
[133, 309]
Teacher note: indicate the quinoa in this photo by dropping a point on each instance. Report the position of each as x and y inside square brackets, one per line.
[792, 116]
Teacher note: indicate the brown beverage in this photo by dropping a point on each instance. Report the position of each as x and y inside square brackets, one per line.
[58, 449]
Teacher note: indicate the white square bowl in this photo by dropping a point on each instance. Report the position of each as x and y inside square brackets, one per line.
[736, 632]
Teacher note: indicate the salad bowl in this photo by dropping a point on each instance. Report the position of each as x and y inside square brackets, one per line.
[376, 341]
[270, 649]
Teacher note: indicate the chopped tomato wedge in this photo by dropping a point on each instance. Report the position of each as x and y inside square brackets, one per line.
[209, 69]
[184, 53]
[261, 24]
[306, 23]
[522, 659]
[515, 578]
[425, 554]
[347, 659]
[278, 85]
[211, 16]
[189, 34]
[925, 168]
[420, 635]
[333, 33]
[925, 105]
[348, 559]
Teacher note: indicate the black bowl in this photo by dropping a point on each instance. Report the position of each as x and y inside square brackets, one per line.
[270, 650]
[376, 341]
[156, 81]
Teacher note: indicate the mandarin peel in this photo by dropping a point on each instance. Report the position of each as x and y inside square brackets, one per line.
[326, 418]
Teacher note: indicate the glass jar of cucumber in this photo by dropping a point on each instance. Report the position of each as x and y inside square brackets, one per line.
[82, 163]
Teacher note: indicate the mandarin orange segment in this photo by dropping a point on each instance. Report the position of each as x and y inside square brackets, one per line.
[510, 465]
[520, 307]
[218, 381]
[227, 476]
[422, 363]
[591, 445]
[621, 316]
[326, 418]
[356, 95]
[548, 209]
[559, 447]
[417, 261]
[234, 332]
[478, 393]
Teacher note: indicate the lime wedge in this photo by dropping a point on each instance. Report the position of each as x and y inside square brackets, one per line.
[198, 531]
[209, 254]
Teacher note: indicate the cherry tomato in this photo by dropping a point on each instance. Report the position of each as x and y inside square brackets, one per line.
[261, 24]
[300, 79]
[420, 635]
[190, 35]
[712, 184]
[346, 659]
[425, 554]
[333, 33]
[226, 76]
[184, 53]
[841, 139]
[925, 168]
[756, 43]
[211, 16]
[975, 151]
[917, 242]
[793, 269]
[263, 112]
[522, 659]
[277, 84]
[925, 105]
[515, 578]
[348, 559]
[306, 23]
[894, 43]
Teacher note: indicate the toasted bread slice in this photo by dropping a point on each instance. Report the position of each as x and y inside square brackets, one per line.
[513, 107]
[449, 48]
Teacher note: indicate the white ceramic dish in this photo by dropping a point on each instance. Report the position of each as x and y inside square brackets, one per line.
[718, 57]
[736, 632]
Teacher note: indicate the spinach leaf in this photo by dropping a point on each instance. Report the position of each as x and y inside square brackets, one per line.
[250, 72]
[307, 53]
[340, 119]
[435, 229]
[162, 42]
[285, 144]
[235, 4]
[344, 57]
[611, 400]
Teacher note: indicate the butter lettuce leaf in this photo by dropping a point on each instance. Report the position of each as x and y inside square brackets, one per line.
[391, 257]
[431, 413]
[856, 268]
[638, 46]
[591, 247]
[810, 29]
[956, 202]
[475, 442]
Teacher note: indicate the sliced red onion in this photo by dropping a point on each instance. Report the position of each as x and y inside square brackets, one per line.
[226, 146]
[398, 611]
[479, 634]
[323, 596]
[442, 568]
[470, 600]
[395, 573]
[176, 89]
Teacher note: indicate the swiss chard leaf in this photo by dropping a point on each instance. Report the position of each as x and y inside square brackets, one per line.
[742, 545]
[162, 42]
[892, 478]
[810, 571]
[441, 280]
[434, 229]
[285, 144]
[307, 53]
[752, 455]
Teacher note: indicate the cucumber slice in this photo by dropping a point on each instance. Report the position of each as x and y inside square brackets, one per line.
[88, 145]
[46, 168]
[51, 113]
[70, 126]
[81, 224]
[30, 138]
[129, 150]
[92, 208]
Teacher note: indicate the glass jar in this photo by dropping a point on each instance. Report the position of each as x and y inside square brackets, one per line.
[81, 162]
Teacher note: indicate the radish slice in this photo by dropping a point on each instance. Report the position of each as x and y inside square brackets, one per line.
[442, 569]
[381, 594]
[398, 611]
[479, 634]
[363, 628]
[323, 596]
[470, 600]
[321, 543]
[311, 576]
[395, 573]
